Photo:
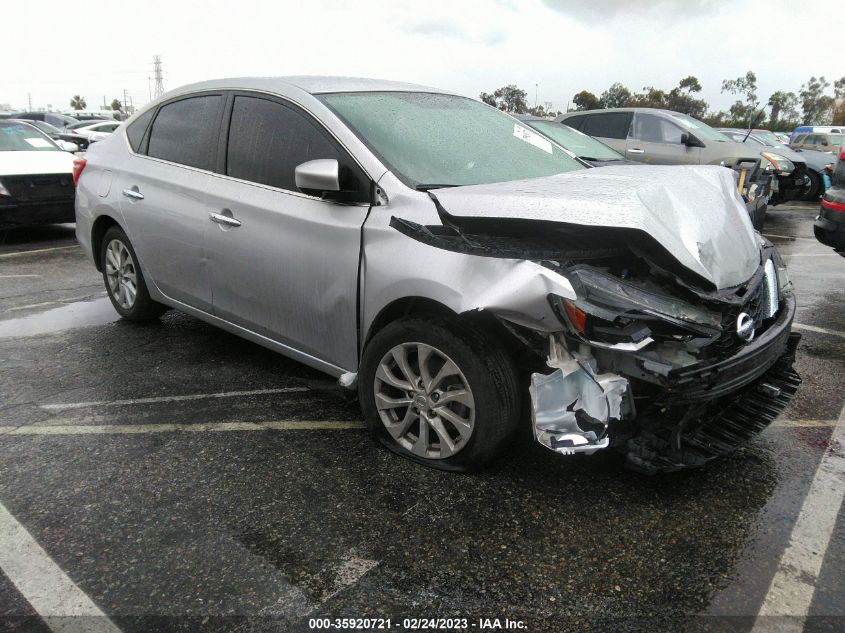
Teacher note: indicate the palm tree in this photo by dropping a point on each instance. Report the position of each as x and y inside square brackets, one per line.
[116, 106]
[78, 103]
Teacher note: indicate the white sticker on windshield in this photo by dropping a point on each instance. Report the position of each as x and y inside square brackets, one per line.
[532, 138]
[38, 142]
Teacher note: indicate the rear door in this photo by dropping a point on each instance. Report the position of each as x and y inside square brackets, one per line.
[289, 269]
[164, 196]
[656, 140]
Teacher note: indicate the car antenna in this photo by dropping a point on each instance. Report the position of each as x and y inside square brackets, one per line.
[752, 123]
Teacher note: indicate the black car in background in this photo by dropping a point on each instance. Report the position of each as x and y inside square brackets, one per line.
[830, 223]
[56, 119]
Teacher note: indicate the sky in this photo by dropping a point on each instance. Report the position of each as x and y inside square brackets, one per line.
[554, 48]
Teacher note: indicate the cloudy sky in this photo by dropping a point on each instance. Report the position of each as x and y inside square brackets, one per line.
[467, 46]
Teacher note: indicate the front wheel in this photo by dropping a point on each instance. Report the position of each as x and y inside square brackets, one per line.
[124, 280]
[814, 187]
[439, 392]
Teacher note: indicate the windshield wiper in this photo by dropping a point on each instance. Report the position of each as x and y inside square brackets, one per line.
[427, 186]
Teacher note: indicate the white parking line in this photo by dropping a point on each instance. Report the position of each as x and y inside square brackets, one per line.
[196, 396]
[190, 427]
[62, 605]
[789, 237]
[36, 251]
[17, 276]
[802, 423]
[794, 583]
[818, 330]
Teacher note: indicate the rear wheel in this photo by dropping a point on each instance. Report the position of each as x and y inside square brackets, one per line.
[124, 280]
[438, 392]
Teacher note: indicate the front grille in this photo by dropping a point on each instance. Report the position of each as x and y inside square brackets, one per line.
[761, 305]
[40, 188]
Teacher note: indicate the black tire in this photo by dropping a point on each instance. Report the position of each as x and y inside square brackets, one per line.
[814, 189]
[758, 220]
[142, 308]
[489, 372]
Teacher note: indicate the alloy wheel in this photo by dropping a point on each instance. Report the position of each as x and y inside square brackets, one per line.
[121, 274]
[424, 400]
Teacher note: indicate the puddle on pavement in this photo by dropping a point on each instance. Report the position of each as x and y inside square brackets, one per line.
[66, 317]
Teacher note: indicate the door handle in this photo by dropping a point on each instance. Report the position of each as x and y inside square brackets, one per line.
[133, 193]
[224, 219]
[636, 151]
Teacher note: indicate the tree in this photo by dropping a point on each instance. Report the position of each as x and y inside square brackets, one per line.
[116, 105]
[839, 88]
[784, 105]
[650, 97]
[78, 103]
[617, 96]
[508, 98]
[690, 84]
[585, 100]
[746, 86]
[815, 105]
[487, 98]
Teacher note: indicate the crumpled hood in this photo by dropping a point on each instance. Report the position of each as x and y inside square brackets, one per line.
[693, 211]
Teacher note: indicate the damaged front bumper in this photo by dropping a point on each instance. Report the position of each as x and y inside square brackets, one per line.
[705, 410]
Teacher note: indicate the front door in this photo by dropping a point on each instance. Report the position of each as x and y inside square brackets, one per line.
[286, 265]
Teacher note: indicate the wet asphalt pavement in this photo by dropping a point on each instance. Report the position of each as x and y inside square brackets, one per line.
[268, 505]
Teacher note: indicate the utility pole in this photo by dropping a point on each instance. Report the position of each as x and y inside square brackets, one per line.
[536, 88]
[150, 86]
[124, 100]
[158, 75]
[29, 98]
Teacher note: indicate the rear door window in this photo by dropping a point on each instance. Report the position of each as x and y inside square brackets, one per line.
[608, 124]
[267, 140]
[576, 122]
[135, 130]
[185, 131]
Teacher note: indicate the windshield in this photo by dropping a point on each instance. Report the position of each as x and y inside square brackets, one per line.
[20, 137]
[836, 139]
[701, 130]
[432, 139]
[580, 144]
[767, 136]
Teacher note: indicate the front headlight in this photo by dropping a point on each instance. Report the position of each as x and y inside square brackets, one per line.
[779, 163]
[4, 191]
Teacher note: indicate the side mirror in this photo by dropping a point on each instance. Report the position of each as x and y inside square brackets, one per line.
[690, 141]
[316, 177]
[67, 146]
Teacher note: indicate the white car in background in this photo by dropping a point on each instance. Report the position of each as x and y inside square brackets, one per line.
[94, 130]
[36, 177]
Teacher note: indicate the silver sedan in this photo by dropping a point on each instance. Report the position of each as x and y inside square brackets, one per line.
[457, 268]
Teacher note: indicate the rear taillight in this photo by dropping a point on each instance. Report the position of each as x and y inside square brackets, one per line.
[833, 206]
[842, 153]
[78, 166]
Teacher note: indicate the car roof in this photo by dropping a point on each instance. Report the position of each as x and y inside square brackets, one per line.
[602, 110]
[308, 83]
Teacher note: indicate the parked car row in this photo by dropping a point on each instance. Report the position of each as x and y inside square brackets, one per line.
[664, 137]
[815, 162]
